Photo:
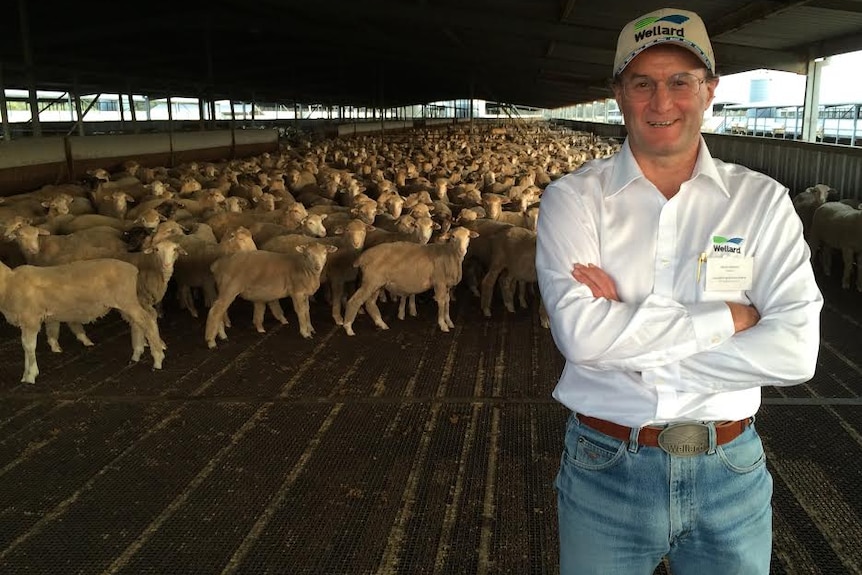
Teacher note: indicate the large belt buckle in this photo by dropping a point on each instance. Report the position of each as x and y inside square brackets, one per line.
[684, 439]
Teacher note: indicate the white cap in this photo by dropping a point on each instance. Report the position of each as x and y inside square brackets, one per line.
[682, 27]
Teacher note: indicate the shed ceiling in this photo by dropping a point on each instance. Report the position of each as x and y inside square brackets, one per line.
[384, 53]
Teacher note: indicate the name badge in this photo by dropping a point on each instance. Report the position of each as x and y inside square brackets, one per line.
[729, 274]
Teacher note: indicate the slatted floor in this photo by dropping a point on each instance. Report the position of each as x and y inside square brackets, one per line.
[407, 451]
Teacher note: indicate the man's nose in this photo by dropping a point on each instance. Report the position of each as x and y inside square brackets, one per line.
[661, 97]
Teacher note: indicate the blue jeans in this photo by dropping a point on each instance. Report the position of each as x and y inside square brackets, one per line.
[622, 507]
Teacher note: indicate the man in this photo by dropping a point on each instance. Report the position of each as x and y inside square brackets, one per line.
[677, 286]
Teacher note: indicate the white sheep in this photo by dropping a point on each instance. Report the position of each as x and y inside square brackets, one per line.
[805, 203]
[193, 269]
[408, 268]
[78, 292]
[339, 270]
[41, 248]
[838, 226]
[263, 277]
[513, 254]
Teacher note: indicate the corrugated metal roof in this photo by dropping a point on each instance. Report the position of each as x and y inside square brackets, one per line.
[384, 53]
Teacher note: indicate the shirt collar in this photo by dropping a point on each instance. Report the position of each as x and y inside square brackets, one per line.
[626, 170]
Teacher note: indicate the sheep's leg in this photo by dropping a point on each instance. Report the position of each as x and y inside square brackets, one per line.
[441, 296]
[52, 332]
[337, 295]
[826, 260]
[277, 312]
[359, 297]
[374, 311]
[402, 305]
[507, 289]
[257, 316]
[210, 291]
[78, 329]
[488, 283]
[29, 336]
[471, 276]
[847, 256]
[544, 320]
[184, 295]
[215, 317]
[300, 306]
[522, 294]
[137, 338]
[144, 328]
[412, 307]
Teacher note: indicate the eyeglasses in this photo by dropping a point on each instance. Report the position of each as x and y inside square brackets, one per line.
[679, 86]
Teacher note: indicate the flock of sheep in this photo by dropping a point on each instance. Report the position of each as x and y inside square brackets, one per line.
[350, 222]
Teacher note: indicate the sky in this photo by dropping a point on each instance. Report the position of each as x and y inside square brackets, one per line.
[840, 80]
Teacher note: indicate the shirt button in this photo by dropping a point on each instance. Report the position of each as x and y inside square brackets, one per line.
[665, 263]
[716, 339]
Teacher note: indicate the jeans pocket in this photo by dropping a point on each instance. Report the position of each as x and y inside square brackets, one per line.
[744, 454]
[588, 449]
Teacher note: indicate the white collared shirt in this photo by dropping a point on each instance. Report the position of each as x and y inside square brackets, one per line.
[667, 351]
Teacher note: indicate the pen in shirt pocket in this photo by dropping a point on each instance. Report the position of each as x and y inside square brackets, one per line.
[700, 261]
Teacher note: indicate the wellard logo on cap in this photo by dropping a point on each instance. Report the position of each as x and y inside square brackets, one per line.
[666, 25]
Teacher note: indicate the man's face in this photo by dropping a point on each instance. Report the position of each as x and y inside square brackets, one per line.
[667, 123]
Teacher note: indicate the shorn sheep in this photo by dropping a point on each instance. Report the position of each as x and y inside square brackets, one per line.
[78, 292]
[406, 268]
[264, 277]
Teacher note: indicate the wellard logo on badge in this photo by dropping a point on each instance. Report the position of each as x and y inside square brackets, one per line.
[728, 269]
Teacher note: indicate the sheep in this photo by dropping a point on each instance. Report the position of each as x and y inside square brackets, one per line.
[193, 270]
[805, 203]
[513, 254]
[312, 225]
[838, 226]
[43, 249]
[339, 270]
[77, 292]
[263, 277]
[406, 268]
[67, 224]
[290, 216]
[111, 202]
[479, 252]
[155, 265]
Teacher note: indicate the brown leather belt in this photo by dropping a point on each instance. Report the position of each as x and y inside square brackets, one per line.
[725, 432]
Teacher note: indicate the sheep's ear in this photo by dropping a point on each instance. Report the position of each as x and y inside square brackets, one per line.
[331, 248]
[338, 231]
[301, 248]
[43, 232]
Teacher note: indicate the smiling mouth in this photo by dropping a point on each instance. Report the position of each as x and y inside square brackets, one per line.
[660, 124]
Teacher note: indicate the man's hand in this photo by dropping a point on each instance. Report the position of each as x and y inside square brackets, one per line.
[744, 316]
[597, 280]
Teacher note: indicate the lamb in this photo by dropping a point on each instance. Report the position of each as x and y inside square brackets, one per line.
[838, 226]
[339, 270]
[406, 268]
[263, 277]
[77, 292]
